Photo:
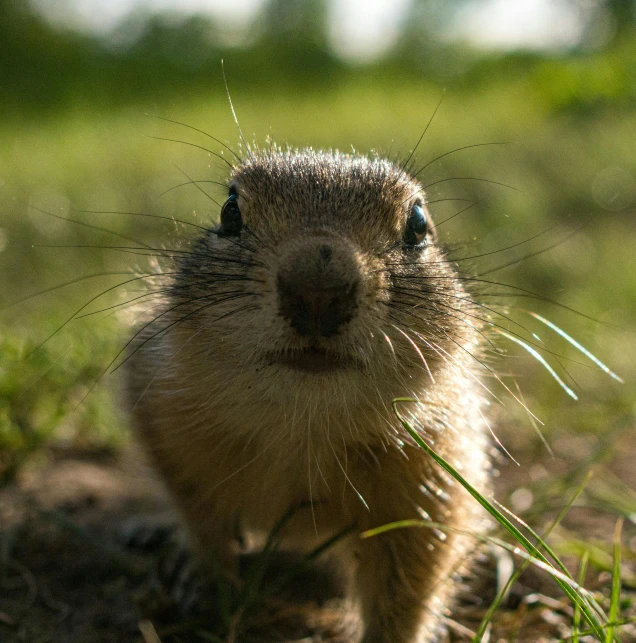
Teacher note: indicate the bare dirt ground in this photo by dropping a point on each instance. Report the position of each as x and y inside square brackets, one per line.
[65, 576]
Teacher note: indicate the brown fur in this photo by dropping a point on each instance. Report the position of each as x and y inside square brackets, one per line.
[239, 433]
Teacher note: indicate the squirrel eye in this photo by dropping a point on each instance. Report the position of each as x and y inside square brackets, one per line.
[416, 227]
[231, 220]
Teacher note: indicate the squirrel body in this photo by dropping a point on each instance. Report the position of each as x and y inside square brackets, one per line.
[264, 381]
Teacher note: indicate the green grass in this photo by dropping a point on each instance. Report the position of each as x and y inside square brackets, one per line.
[47, 397]
[90, 159]
[574, 169]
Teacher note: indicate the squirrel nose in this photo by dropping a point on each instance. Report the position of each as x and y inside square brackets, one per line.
[317, 290]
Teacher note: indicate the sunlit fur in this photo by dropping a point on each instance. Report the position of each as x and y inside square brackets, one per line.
[238, 434]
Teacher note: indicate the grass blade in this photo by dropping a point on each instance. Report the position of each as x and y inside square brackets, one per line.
[588, 611]
[576, 619]
[615, 596]
[492, 540]
[481, 631]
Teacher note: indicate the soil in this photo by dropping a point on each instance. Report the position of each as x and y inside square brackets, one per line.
[66, 576]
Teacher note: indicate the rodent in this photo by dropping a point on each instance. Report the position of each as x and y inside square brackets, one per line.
[265, 378]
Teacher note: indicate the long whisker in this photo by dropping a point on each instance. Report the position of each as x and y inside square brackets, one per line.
[485, 366]
[197, 186]
[124, 304]
[199, 147]
[487, 321]
[90, 301]
[515, 245]
[64, 285]
[165, 252]
[439, 349]
[504, 285]
[145, 214]
[164, 291]
[495, 376]
[459, 149]
[472, 178]
[535, 427]
[88, 225]
[450, 315]
[104, 371]
[410, 156]
[173, 324]
[448, 199]
[192, 182]
[196, 129]
[387, 339]
[460, 178]
[417, 350]
[472, 205]
[535, 253]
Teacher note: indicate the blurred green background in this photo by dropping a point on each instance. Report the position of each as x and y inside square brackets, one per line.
[81, 85]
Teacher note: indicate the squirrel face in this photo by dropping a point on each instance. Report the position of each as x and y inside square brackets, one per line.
[324, 264]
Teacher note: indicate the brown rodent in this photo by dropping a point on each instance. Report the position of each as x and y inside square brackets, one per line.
[266, 377]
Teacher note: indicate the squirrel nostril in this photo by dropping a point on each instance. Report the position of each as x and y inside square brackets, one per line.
[315, 311]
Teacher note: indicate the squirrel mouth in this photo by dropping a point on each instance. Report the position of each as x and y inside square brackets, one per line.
[312, 360]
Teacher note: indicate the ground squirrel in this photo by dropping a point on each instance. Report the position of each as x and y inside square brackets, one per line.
[265, 380]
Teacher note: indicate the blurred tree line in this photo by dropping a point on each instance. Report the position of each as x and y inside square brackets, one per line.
[147, 58]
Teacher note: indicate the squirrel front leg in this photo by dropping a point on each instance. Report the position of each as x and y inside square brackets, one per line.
[404, 577]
